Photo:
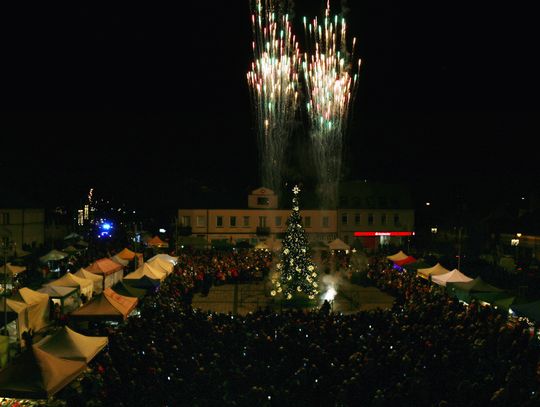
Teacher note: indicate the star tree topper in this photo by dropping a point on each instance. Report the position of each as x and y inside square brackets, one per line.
[296, 190]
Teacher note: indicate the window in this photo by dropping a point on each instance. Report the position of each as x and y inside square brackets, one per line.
[396, 219]
[246, 220]
[262, 200]
[232, 221]
[219, 221]
[201, 221]
[262, 221]
[346, 239]
[278, 220]
[370, 219]
[325, 221]
[307, 221]
[185, 221]
[344, 219]
[383, 219]
[357, 219]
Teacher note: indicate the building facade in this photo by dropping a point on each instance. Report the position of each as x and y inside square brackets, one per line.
[23, 227]
[264, 221]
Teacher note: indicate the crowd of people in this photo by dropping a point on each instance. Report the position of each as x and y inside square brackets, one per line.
[427, 350]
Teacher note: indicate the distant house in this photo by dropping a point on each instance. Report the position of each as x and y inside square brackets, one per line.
[370, 214]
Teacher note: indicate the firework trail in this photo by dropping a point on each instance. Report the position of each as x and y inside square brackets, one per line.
[330, 90]
[273, 82]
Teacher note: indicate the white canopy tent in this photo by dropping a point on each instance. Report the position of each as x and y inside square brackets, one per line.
[261, 246]
[53, 255]
[338, 244]
[70, 280]
[19, 322]
[68, 344]
[161, 265]
[162, 256]
[95, 278]
[436, 270]
[455, 276]
[37, 310]
[148, 271]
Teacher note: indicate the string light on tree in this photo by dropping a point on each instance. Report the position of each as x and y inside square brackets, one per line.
[297, 271]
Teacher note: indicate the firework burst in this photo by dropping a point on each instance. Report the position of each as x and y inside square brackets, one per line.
[273, 81]
[330, 90]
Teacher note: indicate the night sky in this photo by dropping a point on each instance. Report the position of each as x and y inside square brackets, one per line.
[144, 101]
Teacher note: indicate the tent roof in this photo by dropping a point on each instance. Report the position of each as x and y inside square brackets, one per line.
[119, 260]
[398, 256]
[128, 290]
[144, 282]
[261, 245]
[57, 292]
[491, 297]
[156, 241]
[14, 305]
[436, 270]
[338, 244]
[32, 297]
[107, 304]
[146, 270]
[127, 254]
[453, 276]
[104, 266]
[476, 285]
[53, 255]
[82, 273]
[162, 256]
[68, 344]
[71, 280]
[38, 374]
[161, 265]
[15, 269]
[407, 260]
[418, 264]
[70, 249]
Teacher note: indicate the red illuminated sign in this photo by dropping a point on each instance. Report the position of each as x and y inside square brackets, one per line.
[384, 233]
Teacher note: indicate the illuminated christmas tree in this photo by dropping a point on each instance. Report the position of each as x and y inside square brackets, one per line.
[298, 274]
